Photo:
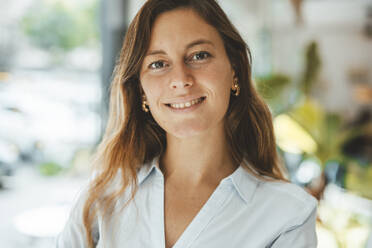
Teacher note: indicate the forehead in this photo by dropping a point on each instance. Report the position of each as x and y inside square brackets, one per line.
[181, 26]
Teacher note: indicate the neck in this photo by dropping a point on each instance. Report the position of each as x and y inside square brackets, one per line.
[202, 159]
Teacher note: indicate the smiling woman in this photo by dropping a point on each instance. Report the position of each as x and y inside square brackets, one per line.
[187, 63]
[189, 156]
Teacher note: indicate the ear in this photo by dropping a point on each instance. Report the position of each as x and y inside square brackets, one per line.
[141, 91]
[234, 76]
[233, 70]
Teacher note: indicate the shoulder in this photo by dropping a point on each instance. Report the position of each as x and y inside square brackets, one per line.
[290, 192]
[285, 200]
[73, 233]
[272, 193]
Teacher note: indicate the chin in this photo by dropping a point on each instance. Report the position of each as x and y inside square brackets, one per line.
[187, 131]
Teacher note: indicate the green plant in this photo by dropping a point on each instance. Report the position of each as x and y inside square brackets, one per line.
[273, 89]
[312, 68]
[55, 26]
[50, 168]
[325, 129]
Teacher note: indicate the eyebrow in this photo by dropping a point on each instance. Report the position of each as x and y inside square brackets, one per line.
[194, 43]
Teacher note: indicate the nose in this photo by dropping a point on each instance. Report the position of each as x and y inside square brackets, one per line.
[181, 78]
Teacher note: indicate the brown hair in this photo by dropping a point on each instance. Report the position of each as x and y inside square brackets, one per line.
[132, 136]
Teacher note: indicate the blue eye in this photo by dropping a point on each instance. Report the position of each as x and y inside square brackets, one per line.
[157, 65]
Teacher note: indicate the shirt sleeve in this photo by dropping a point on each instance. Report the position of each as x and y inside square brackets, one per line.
[73, 235]
[301, 235]
[369, 242]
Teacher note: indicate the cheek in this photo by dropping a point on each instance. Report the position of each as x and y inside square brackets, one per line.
[219, 85]
[219, 81]
[152, 90]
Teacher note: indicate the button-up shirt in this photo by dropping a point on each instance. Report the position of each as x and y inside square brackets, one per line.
[243, 211]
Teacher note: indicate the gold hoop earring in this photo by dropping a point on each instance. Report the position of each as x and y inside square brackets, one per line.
[144, 104]
[236, 88]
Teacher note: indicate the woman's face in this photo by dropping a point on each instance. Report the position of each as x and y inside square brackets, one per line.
[186, 74]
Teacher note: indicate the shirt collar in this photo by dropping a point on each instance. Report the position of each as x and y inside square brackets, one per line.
[147, 168]
[244, 182]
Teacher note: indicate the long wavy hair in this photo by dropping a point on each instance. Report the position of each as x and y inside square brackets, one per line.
[133, 138]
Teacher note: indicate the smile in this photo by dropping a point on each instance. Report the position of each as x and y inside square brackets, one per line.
[185, 105]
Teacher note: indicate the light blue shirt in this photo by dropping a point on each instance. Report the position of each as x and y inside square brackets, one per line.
[243, 211]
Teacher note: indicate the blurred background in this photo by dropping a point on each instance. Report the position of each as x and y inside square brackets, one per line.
[312, 63]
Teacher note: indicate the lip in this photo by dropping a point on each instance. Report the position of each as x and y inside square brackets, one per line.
[189, 109]
[183, 99]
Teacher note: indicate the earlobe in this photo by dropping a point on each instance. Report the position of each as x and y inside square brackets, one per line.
[235, 88]
[145, 107]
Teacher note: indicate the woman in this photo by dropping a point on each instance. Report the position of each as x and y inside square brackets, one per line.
[188, 158]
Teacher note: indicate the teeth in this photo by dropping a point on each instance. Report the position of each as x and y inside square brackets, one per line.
[185, 104]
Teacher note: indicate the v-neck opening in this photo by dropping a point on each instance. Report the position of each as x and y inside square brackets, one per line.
[200, 220]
